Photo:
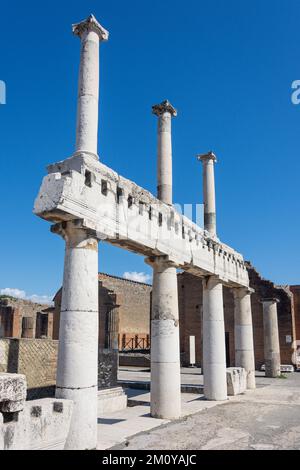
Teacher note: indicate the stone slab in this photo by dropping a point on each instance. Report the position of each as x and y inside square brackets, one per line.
[111, 399]
[12, 392]
[236, 380]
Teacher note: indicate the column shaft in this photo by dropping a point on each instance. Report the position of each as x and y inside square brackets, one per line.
[113, 328]
[243, 334]
[77, 365]
[214, 356]
[209, 198]
[164, 111]
[165, 357]
[164, 158]
[271, 338]
[90, 33]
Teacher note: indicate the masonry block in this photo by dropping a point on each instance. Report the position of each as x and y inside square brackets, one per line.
[236, 380]
[12, 392]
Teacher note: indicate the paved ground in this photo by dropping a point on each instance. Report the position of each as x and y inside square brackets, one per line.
[267, 418]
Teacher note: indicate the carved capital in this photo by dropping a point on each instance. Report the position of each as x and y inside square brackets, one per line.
[90, 24]
[206, 157]
[164, 107]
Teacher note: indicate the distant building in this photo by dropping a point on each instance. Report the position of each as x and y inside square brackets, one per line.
[190, 316]
[24, 319]
[124, 312]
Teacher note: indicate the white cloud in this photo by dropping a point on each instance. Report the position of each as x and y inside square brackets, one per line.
[21, 294]
[135, 276]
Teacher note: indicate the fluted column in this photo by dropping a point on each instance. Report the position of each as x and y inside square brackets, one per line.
[90, 33]
[113, 328]
[243, 333]
[77, 364]
[214, 354]
[271, 338]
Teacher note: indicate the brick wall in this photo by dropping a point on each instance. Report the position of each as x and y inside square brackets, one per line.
[21, 318]
[191, 310]
[296, 303]
[36, 358]
[132, 299]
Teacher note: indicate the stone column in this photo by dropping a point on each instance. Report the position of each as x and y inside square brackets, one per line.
[113, 328]
[28, 327]
[164, 111]
[165, 353]
[214, 355]
[90, 33]
[271, 338]
[243, 333]
[209, 197]
[77, 364]
[165, 356]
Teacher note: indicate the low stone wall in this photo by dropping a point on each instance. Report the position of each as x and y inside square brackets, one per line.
[131, 359]
[37, 360]
[42, 424]
[36, 424]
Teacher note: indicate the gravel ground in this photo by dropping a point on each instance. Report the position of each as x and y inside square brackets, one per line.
[267, 418]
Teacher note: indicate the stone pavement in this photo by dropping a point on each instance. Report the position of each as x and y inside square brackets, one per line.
[243, 421]
[266, 418]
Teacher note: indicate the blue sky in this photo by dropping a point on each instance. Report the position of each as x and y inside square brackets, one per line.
[227, 66]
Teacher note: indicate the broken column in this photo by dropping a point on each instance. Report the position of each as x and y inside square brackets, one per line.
[165, 354]
[209, 198]
[271, 338]
[214, 355]
[90, 33]
[243, 333]
[77, 363]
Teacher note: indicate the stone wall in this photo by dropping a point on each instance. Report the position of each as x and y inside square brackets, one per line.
[35, 358]
[24, 319]
[296, 301]
[190, 313]
[133, 302]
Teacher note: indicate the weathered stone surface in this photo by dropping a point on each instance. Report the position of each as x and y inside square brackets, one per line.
[42, 424]
[107, 368]
[12, 392]
[111, 399]
[236, 380]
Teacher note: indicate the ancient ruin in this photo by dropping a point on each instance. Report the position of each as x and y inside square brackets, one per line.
[89, 202]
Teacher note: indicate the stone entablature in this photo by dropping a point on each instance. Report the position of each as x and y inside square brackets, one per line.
[118, 211]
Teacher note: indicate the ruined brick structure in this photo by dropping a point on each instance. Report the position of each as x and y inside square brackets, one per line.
[24, 319]
[190, 311]
[131, 302]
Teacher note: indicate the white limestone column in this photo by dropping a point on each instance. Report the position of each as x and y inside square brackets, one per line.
[271, 338]
[164, 111]
[77, 365]
[214, 355]
[243, 333]
[165, 353]
[90, 33]
[209, 197]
